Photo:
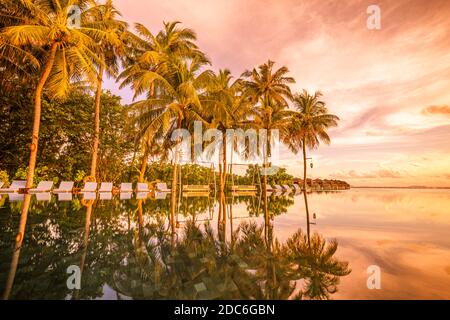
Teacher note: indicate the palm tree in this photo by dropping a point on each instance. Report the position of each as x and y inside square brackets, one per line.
[308, 128]
[109, 32]
[225, 108]
[168, 69]
[269, 91]
[65, 54]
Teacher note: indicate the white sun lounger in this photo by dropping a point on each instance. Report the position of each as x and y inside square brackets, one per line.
[43, 186]
[106, 187]
[64, 187]
[141, 195]
[142, 187]
[89, 195]
[89, 187]
[43, 196]
[16, 197]
[125, 195]
[15, 186]
[162, 187]
[105, 195]
[65, 196]
[278, 188]
[160, 195]
[126, 187]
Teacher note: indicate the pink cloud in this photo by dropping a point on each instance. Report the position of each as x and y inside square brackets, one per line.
[367, 76]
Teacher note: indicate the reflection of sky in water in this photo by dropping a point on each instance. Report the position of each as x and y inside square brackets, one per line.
[405, 232]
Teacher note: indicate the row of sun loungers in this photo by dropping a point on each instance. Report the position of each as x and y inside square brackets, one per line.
[68, 187]
[285, 188]
[108, 187]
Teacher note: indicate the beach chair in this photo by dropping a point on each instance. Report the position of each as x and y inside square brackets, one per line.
[89, 187]
[278, 188]
[125, 195]
[126, 191]
[64, 187]
[142, 187]
[142, 195]
[89, 195]
[15, 186]
[43, 186]
[162, 187]
[297, 188]
[43, 196]
[106, 187]
[160, 195]
[16, 197]
[65, 196]
[126, 188]
[105, 195]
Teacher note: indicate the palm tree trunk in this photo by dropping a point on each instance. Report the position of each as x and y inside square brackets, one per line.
[266, 207]
[37, 114]
[97, 119]
[31, 166]
[143, 164]
[174, 181]
[224, 163]
[87, 228]
[304, 189]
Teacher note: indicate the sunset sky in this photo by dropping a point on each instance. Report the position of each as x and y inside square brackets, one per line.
[390, 87]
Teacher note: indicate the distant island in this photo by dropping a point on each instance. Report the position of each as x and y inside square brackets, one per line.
[324, 184]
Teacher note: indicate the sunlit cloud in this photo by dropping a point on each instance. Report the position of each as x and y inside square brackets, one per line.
[389, 86]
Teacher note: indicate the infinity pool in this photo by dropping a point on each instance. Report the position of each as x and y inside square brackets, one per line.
[229, 248]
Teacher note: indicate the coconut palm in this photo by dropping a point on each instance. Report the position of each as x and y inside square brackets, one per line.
[308, 128]
[168, 71]
[269, 91]
[224, 107]
[102, 24]
[65, 55]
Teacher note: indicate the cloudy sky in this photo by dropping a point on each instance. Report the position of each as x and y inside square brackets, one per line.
[390, 87]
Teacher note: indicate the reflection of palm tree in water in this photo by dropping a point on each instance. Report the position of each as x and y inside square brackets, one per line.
[314, 261]
[202, 264]
[17, 247]
[87, 226]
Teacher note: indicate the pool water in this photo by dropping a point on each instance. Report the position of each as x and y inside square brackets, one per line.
[229, 248]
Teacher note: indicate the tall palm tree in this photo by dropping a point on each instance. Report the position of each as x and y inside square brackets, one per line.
[65, 54]
[269, 91]
[102, 24]
[308, 128]
[224, 107]
[167, 68]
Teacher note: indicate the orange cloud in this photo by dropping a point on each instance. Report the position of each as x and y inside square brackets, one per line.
[439, 110]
